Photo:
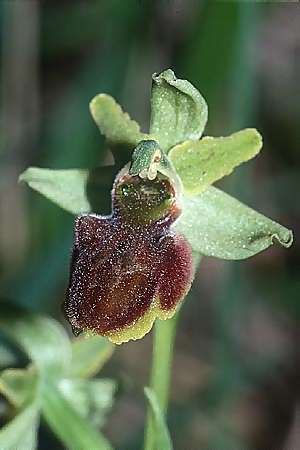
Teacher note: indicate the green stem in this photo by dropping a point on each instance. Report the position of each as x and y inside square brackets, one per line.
[164, 335]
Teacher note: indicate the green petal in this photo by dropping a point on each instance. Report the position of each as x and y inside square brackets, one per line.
[218, 225]
[114, 123]
[178, 110]
[75, 190]
[201, 163]
[162, 437]
[89, 354]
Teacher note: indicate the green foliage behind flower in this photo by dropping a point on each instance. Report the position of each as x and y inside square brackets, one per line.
[56, 384]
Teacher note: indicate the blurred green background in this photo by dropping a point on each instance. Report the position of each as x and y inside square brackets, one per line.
[237, 361]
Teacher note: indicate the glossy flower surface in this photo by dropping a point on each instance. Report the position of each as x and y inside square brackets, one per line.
[129, 268]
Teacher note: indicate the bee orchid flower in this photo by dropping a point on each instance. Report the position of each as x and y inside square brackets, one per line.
[137, 263]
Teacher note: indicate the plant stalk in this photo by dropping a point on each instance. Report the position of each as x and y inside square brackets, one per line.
[163, 344]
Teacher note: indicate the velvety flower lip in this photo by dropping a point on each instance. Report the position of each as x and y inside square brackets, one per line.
[129, 268]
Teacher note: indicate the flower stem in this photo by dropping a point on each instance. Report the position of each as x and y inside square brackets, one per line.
[164, 335]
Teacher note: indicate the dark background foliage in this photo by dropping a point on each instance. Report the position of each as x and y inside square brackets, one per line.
[237, 362]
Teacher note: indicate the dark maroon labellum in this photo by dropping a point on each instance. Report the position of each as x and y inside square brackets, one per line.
[128, 268]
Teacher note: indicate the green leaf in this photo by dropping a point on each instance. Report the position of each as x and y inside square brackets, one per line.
[89, 354]
[40, 337]
[19, 386]
[21, 432]
[75, 190]
[162, 437]
[92, 399]
[72, 428]
[201, 163]
[114, 123]
[218, 225]
[178, 110]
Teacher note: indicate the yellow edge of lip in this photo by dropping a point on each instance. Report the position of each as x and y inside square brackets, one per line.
[141, 326]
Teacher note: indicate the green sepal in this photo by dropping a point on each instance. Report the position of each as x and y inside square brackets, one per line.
[75, 190]
[200, 163]
[178, 110]
[217, 224]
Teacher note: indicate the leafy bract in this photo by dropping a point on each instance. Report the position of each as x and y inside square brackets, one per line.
[89, 354]
[21, 432]
[19, 386]
[114, 123]
[40, 337]
[72, 428]
[52, 384]
[200, 163]
[162, 437]
[178, 111]
[75, 190]
[218, 225]
[92, 399]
